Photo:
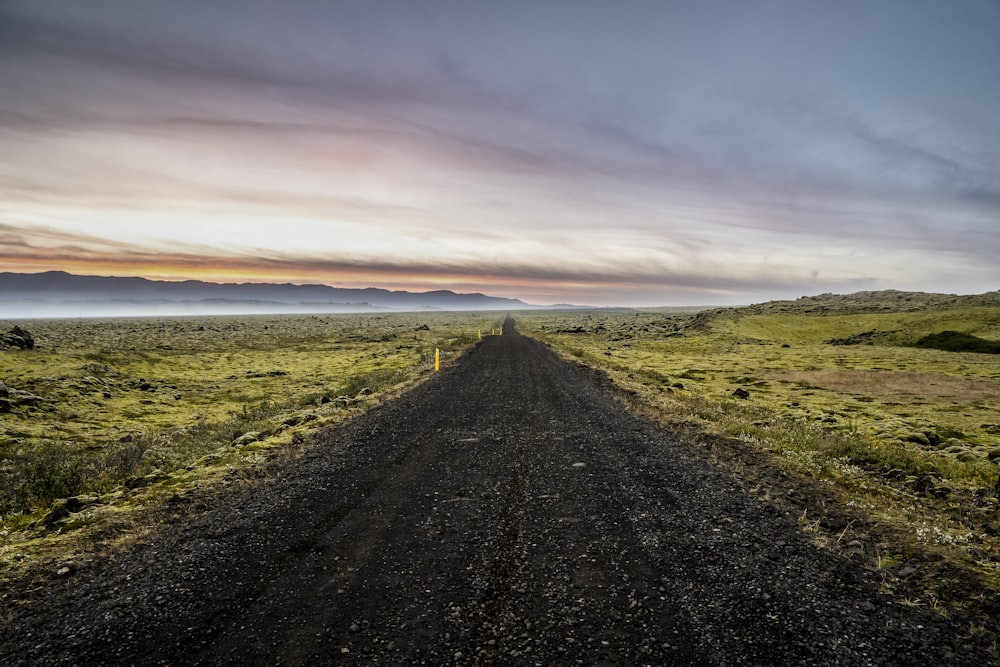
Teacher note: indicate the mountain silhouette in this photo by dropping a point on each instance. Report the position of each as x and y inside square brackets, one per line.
[43, 292]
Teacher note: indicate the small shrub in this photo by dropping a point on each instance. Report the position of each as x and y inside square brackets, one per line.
[956, 341]
[123, 459]
[36, 476]
[374, 380]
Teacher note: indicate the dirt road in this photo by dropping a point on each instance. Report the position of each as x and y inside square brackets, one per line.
[506, 512]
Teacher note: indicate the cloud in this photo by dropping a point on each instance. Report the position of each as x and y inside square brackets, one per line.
[23, 36]
[579, 146]
[904, 154]
[556, 280]
[983, 198]
[48, 237]
[435, 105]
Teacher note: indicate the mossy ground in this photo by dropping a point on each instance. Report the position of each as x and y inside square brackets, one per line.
[123, 402]
[839, 397]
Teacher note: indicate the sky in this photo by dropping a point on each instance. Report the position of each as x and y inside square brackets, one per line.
[617, 152]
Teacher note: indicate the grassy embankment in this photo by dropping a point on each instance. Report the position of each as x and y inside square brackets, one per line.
[836, 391]
[121, 413]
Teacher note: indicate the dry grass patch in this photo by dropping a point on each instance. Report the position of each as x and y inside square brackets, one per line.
[894, 383]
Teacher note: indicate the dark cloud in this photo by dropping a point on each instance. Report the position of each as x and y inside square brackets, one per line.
[985, 199]
[17, 236]
[906, 156]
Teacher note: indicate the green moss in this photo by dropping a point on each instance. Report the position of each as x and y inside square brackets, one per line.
[124, 396]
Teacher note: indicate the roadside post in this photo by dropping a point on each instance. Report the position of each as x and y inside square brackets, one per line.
[437, 359]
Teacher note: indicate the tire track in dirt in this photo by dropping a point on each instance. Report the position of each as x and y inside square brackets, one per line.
[506, 512]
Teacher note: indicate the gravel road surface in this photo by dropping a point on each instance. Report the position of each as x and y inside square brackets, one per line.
[507, 512]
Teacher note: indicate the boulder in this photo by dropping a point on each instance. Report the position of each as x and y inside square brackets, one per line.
[741, 393]
[58, 512]
[66, 571]
[141, 482]
[246, 439]
[924, 485]
[77, 503]
[62, 508]
[11, 398]
[917, 438]
[19, 338]
[25, 397]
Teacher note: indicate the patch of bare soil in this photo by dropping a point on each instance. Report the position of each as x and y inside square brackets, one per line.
[896, 383]
[509, 511]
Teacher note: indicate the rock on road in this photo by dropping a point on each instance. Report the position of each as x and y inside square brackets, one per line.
[505, 512]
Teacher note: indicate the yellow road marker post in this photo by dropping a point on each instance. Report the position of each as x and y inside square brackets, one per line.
[437, 359]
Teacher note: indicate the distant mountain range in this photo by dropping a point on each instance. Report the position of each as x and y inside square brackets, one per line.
[61, 294]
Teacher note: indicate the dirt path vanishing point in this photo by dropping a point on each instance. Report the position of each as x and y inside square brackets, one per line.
[507, 512]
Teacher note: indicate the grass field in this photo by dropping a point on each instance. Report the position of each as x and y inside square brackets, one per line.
[831, 388]
[105, 406]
